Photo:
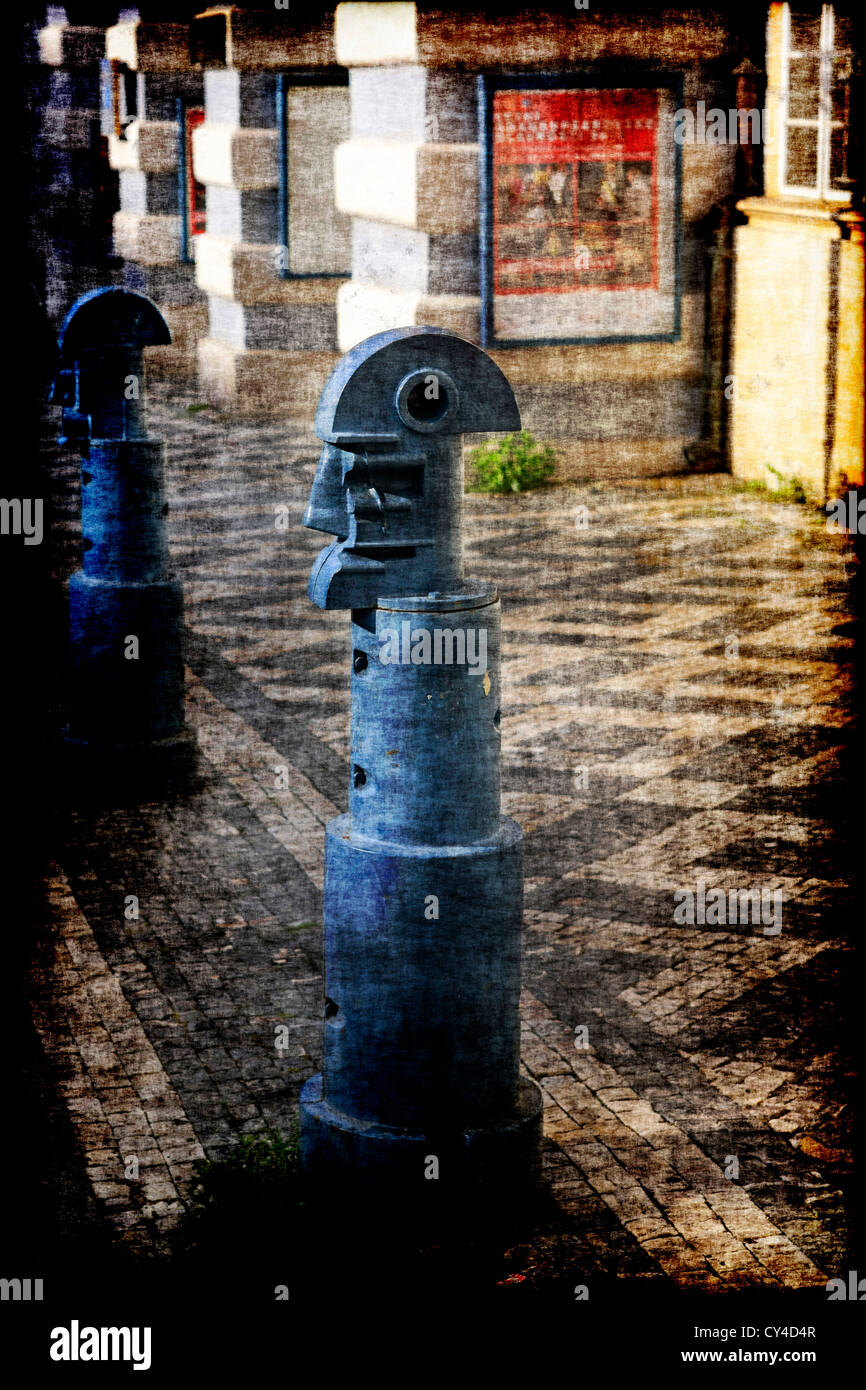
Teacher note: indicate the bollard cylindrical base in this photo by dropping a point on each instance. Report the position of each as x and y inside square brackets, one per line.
[422, 949]
[126, 735]
[126, 678]
[479, 1173]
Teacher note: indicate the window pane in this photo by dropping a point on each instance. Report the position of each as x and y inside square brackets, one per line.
[839, 172]
[843, 69]
[804, 79]
[843, 33]
[805, 32]
[129, 97]
[802, 152]
[846, 94]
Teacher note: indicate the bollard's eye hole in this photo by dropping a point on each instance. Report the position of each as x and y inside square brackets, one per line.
[359, 662]
[427, 402]
[359, 776]
[427, 399]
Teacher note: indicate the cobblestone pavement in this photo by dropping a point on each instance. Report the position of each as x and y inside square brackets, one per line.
[676, 680]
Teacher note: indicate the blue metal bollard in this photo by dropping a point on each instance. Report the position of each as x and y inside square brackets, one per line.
[126, 717]
[423, 877]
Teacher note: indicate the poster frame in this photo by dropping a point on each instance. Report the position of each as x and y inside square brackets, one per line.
[582, 79]
[322, 77]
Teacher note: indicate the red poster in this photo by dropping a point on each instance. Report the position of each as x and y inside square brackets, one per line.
[195, 191]
[574, 175]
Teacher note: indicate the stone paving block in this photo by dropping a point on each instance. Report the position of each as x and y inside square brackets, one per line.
[789, 1265]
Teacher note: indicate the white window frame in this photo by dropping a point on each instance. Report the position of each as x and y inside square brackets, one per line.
[822, 123]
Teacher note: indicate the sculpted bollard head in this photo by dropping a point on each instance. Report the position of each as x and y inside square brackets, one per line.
[100, 378]
[390, 480]
[420, 1093]
[126, 732]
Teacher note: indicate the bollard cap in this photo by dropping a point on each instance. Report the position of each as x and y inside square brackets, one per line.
[101, 342]
[109, 318]
[381, 387]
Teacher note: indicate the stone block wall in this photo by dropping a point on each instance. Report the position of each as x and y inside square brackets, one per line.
[79, 189]
[158, 257]
[271, 339]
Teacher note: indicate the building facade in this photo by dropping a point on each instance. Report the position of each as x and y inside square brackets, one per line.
[650, 218]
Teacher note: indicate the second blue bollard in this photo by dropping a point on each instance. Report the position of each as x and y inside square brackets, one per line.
[126, 707]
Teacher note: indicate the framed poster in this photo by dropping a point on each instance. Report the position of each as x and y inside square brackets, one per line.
[580, 209]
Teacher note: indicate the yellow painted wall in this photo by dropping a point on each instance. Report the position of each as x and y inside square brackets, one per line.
[847, 461]
[780, 346]
[798, 347]
[798, 327]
